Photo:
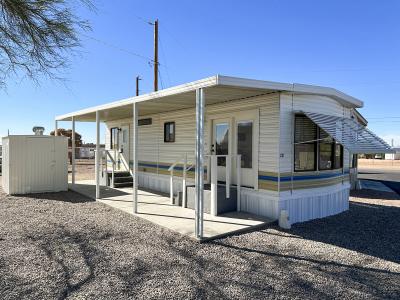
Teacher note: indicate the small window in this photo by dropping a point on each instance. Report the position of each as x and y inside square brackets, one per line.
[169, 132]
[143, 122]
[305, 145]
[114, 138]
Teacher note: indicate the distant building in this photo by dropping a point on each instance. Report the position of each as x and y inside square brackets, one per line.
[393, 156]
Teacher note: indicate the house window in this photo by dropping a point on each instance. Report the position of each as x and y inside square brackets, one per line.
[312, 143]
[338, 158]
[325, 150]
[114, 138]
[169, 132]
[305, 146]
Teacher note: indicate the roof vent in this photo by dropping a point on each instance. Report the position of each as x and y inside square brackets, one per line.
[38, 130]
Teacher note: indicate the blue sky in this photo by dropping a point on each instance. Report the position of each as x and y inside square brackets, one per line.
[353, 46]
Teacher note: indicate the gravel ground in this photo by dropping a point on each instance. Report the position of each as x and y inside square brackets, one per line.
[57, 246]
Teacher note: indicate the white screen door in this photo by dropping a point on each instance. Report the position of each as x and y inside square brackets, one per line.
[221, 144]
[124, 147]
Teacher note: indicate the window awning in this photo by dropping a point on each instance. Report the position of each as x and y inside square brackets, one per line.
[353, 136]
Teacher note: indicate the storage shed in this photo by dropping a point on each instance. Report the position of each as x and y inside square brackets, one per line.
[34, 164]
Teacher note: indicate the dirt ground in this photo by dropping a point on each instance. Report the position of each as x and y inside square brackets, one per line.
[84, 169]
[378, 163]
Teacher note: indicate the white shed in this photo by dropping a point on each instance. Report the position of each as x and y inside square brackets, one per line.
[34, 164]
[393, 156]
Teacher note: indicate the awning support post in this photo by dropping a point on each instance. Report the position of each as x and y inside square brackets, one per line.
[55, 128]
[135, 157]
[73, 150]
[199, 174]
[97, 157]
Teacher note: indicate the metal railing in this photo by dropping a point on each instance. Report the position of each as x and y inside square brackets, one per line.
[185, 168]
[213, 169]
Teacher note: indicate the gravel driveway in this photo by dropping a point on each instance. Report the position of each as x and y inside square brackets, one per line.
[56, 246]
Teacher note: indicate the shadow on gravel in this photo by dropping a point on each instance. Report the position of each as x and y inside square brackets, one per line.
[366, 228]
[69, 196]
[373, 194]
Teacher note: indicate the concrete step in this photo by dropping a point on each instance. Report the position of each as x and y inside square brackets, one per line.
[224, 204]
[123, 184]
[123, 179]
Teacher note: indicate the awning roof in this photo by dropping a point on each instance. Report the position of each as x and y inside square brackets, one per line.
[217, 88]
[351, 134]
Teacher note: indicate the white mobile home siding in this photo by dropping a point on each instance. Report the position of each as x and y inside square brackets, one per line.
[151, 137]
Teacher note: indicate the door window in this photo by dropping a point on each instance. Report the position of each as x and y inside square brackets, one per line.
[245, 143]
[125, 135]
[222, 142]
[114, 138]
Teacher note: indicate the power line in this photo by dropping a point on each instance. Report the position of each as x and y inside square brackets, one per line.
[118, 48]
[384, 118]
[144, 20]
[161, 81]
[165, 61]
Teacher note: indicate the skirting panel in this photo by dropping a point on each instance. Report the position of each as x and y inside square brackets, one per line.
[314, 206]
[259, 203]
[302, 206]
[159, 183]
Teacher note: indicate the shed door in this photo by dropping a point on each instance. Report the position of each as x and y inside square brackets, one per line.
[41, 164]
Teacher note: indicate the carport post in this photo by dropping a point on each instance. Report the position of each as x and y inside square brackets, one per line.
[199, 175]
[73, 150]
[135, 114]
[97, 157]
[55, 128]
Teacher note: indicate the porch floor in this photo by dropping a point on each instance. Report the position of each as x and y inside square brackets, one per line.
[157, 208]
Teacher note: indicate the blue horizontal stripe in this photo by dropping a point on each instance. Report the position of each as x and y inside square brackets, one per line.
[301, 177]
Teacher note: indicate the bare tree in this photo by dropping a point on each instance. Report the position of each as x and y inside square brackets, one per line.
[37, 36]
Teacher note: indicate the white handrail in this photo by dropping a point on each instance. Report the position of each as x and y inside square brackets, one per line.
[113, 166]
[183, 159]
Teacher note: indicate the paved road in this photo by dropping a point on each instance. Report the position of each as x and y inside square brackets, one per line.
[390, 177]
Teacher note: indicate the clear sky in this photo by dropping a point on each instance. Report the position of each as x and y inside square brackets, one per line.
[353, 46]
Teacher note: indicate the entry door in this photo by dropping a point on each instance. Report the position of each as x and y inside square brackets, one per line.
[220, 144]
[245, 144]
[124, 147]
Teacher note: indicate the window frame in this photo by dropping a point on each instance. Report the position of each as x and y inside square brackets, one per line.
[169, 139]
[317, 152]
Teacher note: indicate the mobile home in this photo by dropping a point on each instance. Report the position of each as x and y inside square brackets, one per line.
[257, 146]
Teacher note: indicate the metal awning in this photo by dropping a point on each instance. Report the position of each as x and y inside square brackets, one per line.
[218, 89]
[352, 135]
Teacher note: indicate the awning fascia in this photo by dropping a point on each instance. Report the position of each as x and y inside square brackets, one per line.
[352, 135]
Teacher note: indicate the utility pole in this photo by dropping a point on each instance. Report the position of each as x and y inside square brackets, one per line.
[137, 85]
[156, 55]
